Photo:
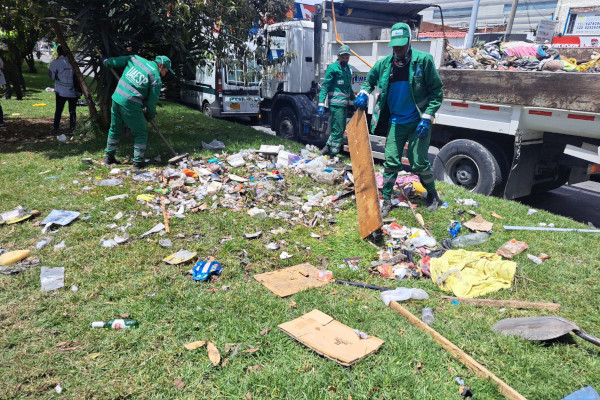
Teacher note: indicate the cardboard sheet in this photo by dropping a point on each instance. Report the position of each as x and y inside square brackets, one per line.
[287, 281]
[330, 338]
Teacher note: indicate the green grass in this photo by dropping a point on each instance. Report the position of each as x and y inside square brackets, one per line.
[144, 363]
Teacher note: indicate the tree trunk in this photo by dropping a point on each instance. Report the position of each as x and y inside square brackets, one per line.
[79, 76]
[31, 63]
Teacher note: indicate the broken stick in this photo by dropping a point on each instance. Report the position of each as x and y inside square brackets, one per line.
[165, 215]
[506, 303]
[463, 357]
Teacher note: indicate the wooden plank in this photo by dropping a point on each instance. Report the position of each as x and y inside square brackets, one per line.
[365, 185]
[506, 303]
[575, 91]
[463, 357]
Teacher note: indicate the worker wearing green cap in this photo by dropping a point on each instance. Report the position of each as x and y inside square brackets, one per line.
[337, 84]
[134, 102]
[410, 95]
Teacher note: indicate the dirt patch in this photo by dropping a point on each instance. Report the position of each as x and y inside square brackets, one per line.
[24, 130]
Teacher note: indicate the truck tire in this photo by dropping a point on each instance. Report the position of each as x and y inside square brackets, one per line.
[206, 109]
[287, 124]
[469, 164]
[561, 179]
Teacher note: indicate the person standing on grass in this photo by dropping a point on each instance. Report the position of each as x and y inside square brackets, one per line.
[2, 83]
[411, 94]
[138, 88]
[337, 84]
[61, 72]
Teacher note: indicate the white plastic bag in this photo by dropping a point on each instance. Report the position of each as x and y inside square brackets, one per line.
[402, 294]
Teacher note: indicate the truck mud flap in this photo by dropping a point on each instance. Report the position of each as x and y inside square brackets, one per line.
[520, 179]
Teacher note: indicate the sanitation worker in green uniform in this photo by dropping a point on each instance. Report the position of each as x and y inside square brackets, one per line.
[134, 102]
[337, 84]
[411, 94]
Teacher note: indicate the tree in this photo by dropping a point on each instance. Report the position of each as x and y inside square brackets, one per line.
[184, 30]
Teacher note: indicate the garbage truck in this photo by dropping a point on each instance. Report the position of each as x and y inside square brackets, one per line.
[505, 133]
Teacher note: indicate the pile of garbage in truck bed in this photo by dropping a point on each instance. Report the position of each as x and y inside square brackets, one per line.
[518, 56]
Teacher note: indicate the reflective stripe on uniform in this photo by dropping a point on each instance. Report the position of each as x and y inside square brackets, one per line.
[115, 147]
[113, 141]
[338, 101]
[339, 94]
[140, 146]
[133, 90]
[128, 96]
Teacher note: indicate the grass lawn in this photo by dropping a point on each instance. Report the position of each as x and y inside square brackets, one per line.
[46, 339]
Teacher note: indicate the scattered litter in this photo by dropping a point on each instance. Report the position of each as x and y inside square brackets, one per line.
[114, 171]
[549, 229]
[531, 211]
[118, 216]
[119, 196]
[74, 288]
[454, 228]
[43, 242]
[254, 235]
[479, 224]
[58, 389]
[59, 246]
[236, 160]
[17, 215]
[145, 197]
[61, 138]
[587, 393]
[52, 278]
[493, 214]
[257, 212]
[325, 275]
[60, 217]
[116, 324]
[467, 202]
[511, 248]
[323, 334]
[470, 240]
[204, 269]
[535, 259]
[87, 161]
[459, 380]
[427, 315]
[214, 145]
[166, 242]
[157, 228]
[471, 274]
[285, 255]
[180, 257]
[19, 267]
[403, 294]
[353, 262]
[108, 182]
[361, 334]
[291, 280]
[12, 257]
[273, 246]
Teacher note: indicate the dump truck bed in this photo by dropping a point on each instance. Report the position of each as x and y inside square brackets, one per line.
[576, 91]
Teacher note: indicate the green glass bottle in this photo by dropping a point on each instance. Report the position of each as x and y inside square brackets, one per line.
[117, 324]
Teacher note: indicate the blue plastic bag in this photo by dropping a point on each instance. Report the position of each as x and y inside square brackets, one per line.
[204, 269]
[454, 228]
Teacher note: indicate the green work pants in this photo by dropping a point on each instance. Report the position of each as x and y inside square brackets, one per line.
[134, 118]
[338, 126]
[417, 157]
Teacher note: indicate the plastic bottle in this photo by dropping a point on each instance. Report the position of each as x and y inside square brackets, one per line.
[116, 324]
[427, 315]
[534, 259]
[469, 240]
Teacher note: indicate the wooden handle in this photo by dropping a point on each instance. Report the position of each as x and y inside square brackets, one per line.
[463, 357]
[588, 337]
[506, 303]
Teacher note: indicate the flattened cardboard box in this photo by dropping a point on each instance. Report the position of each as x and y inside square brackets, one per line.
[330, 338]
[287, 281]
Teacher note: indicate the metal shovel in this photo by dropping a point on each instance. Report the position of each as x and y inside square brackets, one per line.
[542, 328]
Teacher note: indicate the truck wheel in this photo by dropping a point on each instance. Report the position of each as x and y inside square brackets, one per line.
[206, 109]
[287, 124]
[558, 181]
[469, 164]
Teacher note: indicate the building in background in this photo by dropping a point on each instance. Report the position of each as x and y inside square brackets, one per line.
[577, 23]
[492, 13]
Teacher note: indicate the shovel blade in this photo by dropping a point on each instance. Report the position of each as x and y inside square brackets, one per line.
[536, 328]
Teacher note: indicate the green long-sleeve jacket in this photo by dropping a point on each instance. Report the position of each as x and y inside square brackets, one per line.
[139, 85]
[338, 85]
[424, 83]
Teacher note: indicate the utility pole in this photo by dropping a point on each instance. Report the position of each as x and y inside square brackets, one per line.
[511, 19]
[472, 24]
